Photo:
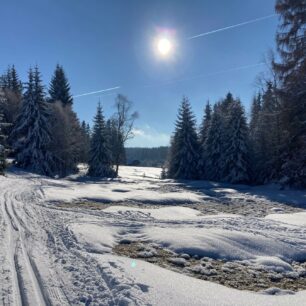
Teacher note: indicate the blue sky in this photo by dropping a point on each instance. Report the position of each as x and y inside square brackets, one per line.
[104, 44]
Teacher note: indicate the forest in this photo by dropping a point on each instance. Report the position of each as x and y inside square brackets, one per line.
[43, 134]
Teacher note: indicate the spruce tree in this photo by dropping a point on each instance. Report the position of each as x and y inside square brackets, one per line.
[15, 84]
[226, 103]
[3, 138]
[236, 149]
[59, 87]
[214, 153]
[67, 143]
[291, 70]
[100, 163]
[270, 135]
[84, 142]
[32, 130]
[255, 137]
[203, 134]
[184, 151]
[12, 91]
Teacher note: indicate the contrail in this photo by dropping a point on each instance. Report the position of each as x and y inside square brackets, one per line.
[207, 75]
[95, 92]
[232, 26]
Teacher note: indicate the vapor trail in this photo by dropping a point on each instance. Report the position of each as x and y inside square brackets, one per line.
[95, 92]
[232, 26]
[206, 75]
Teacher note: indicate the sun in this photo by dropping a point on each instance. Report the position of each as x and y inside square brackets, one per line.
[164, 46]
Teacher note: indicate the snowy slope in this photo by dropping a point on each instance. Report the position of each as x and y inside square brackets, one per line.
[52, 255]
[294, 219]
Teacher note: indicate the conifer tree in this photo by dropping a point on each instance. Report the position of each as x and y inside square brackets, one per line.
[226, 103]
[270, 135]
[203, 134]
[184, 151]
[67, 144]
[15, 84]
[236, 149]
[32, 130]
[84, 142]
[255, 138]
[291, 70]
[100, 164]
[214, 158]
[3, 138]
[59, 87]
[12, 90]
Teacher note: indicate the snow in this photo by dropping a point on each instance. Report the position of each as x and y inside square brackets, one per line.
[164, 287]
[62, 255]
[117, 191]
[223, 244]
[271, 263]
[298, 219]
[165, 213]
[95, 238]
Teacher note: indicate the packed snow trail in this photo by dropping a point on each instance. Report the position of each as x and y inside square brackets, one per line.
[41, 262]
[52, 255]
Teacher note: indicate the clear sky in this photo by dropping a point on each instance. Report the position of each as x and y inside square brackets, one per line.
[105, 44]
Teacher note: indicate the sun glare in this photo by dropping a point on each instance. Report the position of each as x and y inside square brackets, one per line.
[164, 46]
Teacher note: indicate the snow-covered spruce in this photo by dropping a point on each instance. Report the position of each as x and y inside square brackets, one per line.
[100, 163]
[203, 134]
[214, 146]
[236, 150]
[3, 137]
[184, 151]
[32, 131]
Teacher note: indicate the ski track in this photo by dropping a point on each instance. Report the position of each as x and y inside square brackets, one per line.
[42, 263]
[40, 255]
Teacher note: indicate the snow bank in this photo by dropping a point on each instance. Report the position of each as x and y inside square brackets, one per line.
[136, 185]
[270, 263]
[164, 287]
[95, 238]
[298, 219]
[222, 244]
[117, 192]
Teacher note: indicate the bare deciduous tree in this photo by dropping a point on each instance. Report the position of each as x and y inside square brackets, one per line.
[124, 119]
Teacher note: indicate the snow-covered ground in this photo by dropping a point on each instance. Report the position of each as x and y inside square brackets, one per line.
[55, 254]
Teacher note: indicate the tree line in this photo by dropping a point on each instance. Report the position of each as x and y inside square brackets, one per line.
[147, 157]
[271, 147]
[44, 135]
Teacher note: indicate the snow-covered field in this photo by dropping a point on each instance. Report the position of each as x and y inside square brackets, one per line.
[57, 250]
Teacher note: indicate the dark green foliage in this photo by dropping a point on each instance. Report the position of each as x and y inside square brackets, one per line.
[3, 137]
[214, 161]
[32, 131]
[184, 150]
[236, 147]
[100, 163]
[291, 71]
[59, 87]
[203, 134]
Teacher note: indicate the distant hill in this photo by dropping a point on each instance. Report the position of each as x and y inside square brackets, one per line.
[148, 157]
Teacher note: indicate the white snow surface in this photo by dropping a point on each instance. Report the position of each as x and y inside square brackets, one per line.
[224, 244]
[166, 213]
[124, 189]
[298, 219]
[164, 287]
[53, 255]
